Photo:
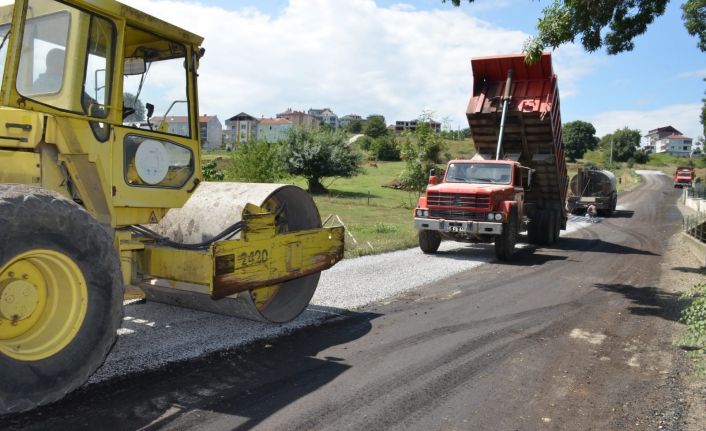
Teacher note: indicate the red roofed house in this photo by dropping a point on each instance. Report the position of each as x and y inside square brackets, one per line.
[669, 140]
[299, 118]
[273, 129]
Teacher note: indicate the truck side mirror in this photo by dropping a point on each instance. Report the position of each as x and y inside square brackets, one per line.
[432, 176]
[150, 109]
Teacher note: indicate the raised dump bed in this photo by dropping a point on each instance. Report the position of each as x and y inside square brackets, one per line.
[532, 133]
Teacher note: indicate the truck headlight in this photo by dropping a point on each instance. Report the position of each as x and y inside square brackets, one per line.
[498, 217]
[491, 216]
[422, 212]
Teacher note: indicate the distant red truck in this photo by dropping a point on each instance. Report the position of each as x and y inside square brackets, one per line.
[683, 177]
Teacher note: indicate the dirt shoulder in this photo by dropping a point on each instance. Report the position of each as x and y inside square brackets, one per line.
[681, 271]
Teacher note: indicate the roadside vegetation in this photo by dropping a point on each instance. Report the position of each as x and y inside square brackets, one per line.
[694, 317]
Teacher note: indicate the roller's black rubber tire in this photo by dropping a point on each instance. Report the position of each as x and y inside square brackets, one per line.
[32, 218]
[429, 241]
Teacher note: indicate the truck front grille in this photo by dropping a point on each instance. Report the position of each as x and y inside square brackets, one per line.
[457, 214]
[481, 201]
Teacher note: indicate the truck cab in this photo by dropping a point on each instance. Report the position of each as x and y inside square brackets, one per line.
[473, 199]
[683, 177]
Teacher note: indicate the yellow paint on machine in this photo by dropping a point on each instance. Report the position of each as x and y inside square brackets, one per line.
[233, 266]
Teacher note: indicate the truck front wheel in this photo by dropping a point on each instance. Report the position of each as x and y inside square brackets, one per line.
[505, 242]
[429, 241]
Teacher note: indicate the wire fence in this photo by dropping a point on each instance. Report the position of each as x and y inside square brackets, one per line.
[696, 192]
[696, 226]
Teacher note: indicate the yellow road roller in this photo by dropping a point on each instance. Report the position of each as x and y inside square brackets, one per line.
[99, 201]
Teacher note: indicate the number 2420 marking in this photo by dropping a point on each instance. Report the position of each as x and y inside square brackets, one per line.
[256, 257]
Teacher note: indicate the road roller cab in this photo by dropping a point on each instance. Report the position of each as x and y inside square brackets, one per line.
[97, 197]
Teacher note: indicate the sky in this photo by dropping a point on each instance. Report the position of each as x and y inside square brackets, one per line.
[404, 58]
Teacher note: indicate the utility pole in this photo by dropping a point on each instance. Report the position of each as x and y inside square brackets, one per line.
[611, 151]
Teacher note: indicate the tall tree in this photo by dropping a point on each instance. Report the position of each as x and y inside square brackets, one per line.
[420, 151]
[375, 126]
[318, 154]
[130, 101]
[579, 137]
[623, 143]
[355, 126]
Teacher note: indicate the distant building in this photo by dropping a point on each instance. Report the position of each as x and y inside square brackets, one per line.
[676, 145]
[211, 132]
[655, 134]
[210, 127]
[300, 119]
[239, 128]
[325, 116]
[346, 120]
[273, 129]
[402, 126]
[668, 140]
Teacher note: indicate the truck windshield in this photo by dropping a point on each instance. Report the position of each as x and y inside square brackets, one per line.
[482, 173]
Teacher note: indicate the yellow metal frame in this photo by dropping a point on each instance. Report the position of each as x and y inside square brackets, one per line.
[261, 257]
[56, 149]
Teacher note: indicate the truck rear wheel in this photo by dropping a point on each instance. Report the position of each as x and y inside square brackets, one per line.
[429, 241]
[505, 242]
[541, 228]
[557, 225]
[60, 296]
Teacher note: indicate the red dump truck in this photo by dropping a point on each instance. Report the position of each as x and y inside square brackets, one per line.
[517, 180]
[683, 177]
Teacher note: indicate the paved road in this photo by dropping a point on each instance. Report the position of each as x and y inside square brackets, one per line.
[570, 337]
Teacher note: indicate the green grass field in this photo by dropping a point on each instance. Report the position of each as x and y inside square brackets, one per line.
[378, 218]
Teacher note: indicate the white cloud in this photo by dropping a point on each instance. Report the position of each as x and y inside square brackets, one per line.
[693, 74]
[684, 118]
[353, 56]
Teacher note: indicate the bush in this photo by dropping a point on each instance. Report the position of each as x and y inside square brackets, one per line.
[365, 142]
[257, 162]
[210, 172]
[384, 148]
[420, 151]
[694, 316]
[641, 157]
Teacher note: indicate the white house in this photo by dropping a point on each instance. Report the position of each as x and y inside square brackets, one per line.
[676, 145]
[273, 129]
